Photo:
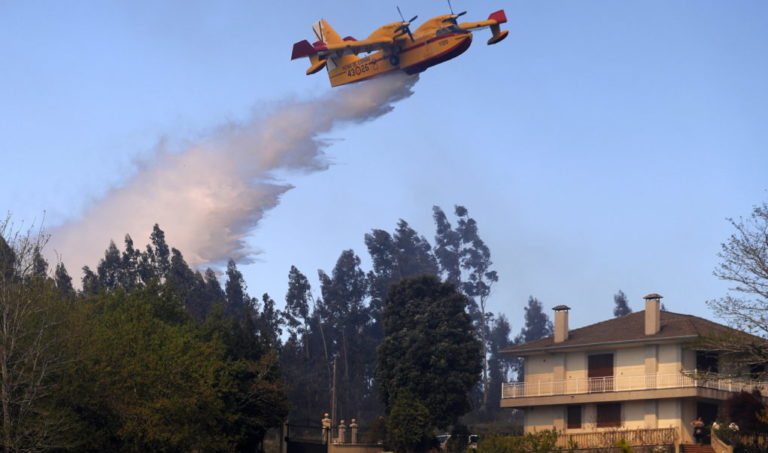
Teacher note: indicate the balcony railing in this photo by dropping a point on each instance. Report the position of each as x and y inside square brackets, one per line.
[627, 383]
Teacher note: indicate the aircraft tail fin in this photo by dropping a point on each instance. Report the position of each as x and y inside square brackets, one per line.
[325, 33]
[497, 34]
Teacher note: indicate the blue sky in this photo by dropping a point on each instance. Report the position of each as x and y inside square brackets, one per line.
[600, 147]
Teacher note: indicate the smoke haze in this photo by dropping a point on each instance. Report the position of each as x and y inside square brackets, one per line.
[208, 197]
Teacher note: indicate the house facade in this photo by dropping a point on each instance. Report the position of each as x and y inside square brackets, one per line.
[638, 373]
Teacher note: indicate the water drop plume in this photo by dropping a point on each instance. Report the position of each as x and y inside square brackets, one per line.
[209, 197]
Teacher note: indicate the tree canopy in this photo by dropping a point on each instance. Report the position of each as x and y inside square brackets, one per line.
[430, 349]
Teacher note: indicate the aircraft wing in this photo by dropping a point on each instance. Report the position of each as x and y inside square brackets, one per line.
[349, 46]
[494, 21]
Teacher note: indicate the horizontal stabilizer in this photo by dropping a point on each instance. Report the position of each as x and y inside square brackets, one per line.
[498, 37]
[316, 66]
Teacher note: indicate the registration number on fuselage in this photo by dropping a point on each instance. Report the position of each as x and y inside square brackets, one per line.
[361, 67]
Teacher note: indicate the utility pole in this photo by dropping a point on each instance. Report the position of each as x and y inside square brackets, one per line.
[333, 396]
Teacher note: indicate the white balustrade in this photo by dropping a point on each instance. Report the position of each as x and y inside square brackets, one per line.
[627, 383]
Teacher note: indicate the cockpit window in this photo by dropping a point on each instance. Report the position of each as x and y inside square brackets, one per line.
[449, 29]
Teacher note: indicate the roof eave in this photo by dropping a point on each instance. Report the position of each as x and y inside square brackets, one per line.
[559, 347]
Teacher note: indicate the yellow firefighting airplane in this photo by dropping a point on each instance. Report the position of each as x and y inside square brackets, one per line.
[437, 40]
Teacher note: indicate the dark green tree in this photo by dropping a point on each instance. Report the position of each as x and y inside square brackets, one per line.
[39, 264]
[499, 365]
[537, 325]
[297, 302]
[109, 268]
[90, 281]
[161, 253]
[476, 260]
[345, 317]
[410, 425]
[235, 289]
[269, 322]
[403, 254]
[447, 247]
[621, 306]
[63, 281]
[429, 350]
[130, 277]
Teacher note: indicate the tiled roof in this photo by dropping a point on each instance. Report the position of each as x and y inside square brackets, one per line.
[626, 329]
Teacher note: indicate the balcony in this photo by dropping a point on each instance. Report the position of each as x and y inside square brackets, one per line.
[666, 383]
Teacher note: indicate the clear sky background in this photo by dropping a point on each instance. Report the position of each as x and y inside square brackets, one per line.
[600, 147]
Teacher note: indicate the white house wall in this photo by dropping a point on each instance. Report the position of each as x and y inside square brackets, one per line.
[629, 362]
[670, 359]
[543, 418]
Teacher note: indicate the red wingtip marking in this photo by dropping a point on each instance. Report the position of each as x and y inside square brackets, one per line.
[499, 16]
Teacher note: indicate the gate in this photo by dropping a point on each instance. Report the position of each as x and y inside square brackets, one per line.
[305, 439]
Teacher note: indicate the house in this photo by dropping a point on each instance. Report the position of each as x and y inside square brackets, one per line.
[639, 374]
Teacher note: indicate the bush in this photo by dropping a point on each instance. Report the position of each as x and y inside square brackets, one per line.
[409, 426]
[538, 442]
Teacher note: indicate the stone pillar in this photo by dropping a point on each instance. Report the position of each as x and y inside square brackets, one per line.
[342, 432]
[326, 423]
[353, 428]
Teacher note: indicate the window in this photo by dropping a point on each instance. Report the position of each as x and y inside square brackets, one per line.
[600, 372]
[573, 417]
[706, 361]
[609, 415]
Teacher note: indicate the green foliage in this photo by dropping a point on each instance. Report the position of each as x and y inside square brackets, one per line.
[429, 349]
[537, 323]
[148, 378]
[623, 444]
[410, 425]
[538, 442]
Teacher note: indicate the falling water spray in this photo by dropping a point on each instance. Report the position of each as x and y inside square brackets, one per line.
[210, 196]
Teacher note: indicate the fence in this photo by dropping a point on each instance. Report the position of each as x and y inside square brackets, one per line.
[608, 438]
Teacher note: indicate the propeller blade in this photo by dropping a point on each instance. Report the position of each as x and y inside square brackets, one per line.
[461, 14]
[401, 14]
[450, 7]
[412, 19]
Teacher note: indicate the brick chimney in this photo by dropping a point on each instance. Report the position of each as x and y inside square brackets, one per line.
[561, 323]
[652, 313]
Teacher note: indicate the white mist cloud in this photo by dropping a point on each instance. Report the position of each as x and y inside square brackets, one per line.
[208, 197]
